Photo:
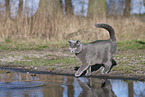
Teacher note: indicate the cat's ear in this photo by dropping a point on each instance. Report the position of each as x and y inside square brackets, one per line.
[78, 42]
[69, 41]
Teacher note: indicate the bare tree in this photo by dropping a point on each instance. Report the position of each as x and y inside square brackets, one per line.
[127, 7]
[49, 7]
[97, 8]
[68, 7]
[20, 9]
[47, 12]
[8, 14]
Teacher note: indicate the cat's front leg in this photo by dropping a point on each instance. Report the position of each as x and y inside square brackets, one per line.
[82, 68]
[88, 73]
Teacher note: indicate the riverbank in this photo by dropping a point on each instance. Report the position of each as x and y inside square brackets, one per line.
[57, 59]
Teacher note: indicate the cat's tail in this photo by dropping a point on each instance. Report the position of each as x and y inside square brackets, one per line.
[109, 29]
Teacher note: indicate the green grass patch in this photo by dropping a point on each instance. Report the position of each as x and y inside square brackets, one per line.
[64, 62]
[130, 44]
[40, 44]
[130, 55]
[31, 45]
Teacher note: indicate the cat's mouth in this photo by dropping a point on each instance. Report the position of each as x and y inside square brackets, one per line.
[72, 50]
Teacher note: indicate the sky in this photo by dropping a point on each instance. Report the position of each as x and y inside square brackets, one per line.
[136, 8]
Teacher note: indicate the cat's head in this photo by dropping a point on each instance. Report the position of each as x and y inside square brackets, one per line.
[75, 46]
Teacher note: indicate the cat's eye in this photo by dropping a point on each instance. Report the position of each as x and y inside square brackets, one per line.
[73, 48]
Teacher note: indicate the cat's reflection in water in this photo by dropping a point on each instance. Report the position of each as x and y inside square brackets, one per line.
[96, 88]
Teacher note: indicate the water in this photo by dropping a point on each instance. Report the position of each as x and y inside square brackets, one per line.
[17, 84]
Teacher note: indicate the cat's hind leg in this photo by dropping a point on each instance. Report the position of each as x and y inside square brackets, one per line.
[114, 63]
[88, 73]
[82, 68]
[107, 67]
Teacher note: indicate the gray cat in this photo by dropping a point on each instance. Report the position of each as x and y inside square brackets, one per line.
[97, 52]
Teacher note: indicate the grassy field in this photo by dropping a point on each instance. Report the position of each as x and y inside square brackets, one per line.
[55, 56]
[73, 27]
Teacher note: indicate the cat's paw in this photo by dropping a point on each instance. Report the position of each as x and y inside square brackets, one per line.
[87, 74]
[104, 72]
[77, 75]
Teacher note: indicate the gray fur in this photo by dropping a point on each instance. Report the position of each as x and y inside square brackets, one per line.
[97, 52]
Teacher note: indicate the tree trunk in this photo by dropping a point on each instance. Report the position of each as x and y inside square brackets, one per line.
[50, 8]
[8, 14]
[130, 89]
[47, 13]
[127, 8]
[68, 7]
[20, 9]
[97, 9]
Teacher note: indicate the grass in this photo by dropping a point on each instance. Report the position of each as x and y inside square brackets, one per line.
[130, 63]
[49, 56]
[40, 44]
[49, 64]
[131, 44]
[35, 44]
[64, 28]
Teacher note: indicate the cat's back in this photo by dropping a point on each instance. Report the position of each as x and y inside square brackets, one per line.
[98, 43]
[100, 46]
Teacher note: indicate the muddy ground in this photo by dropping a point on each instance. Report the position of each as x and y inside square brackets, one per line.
[130, 63]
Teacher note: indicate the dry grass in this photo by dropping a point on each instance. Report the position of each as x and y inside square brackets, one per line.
[69, 27]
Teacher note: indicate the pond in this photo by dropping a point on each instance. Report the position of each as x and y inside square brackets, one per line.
[20, 84]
